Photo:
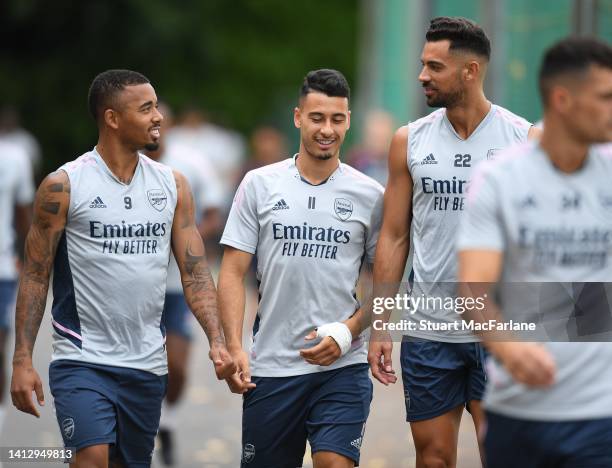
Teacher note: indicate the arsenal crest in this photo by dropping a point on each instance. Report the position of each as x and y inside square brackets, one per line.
[248, 453]
[493, 153]
[157, 199]
[68, 427]
[343, 208]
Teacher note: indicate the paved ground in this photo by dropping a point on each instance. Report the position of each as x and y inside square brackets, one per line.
[209, 432]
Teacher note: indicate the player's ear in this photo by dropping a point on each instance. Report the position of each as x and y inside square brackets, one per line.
[297, 114]
[348, 120]
[471, 71]
[560, 99]
[110, 118]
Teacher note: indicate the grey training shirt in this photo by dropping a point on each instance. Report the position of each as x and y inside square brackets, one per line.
[110, 267]
[551, 227]
[310, 242]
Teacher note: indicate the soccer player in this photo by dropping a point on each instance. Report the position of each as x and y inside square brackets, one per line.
[543, 213]
[176, 314]
[430, 163]
[105, 224]
[16, 195]
[311, 220]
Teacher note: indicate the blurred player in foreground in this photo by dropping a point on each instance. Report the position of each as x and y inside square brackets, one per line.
[312, 221]
[105, 224]
[543, 213]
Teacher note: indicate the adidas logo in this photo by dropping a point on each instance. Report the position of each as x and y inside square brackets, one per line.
[280, 205]
[97, 203]
[357, 443]
[429, 159]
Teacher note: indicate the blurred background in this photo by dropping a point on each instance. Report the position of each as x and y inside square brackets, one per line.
[229, 73]
[239, 64]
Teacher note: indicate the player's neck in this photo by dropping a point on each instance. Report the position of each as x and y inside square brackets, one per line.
[466, 117]
[566, 154]
[120, 160]
[313, 170]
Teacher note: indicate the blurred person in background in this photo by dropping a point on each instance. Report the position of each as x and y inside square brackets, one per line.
[267, 146]
[312, 221]
[176, 316]
[370, 156]
[106, 224]
[16, 196]
[225, 149]
[550, 404]
[12, 131]
[430, 165]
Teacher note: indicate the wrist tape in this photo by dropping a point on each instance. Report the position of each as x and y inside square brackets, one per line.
[340, 334]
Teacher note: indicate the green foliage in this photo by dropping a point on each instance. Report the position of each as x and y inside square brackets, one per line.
[242, 61]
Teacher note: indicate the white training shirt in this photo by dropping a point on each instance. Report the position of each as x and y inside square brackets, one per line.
[110, 268]
[310, 243]
[441, 164]
[16, 188]
[551, 227]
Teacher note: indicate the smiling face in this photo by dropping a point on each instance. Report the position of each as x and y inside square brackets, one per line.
[135, 117]
[441, 76]
[323, 122]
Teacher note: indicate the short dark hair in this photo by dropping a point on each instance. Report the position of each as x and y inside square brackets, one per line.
[572, 55]
[462, 33]
[329, 82]
[107, 84]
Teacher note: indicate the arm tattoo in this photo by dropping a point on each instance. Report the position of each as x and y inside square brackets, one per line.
[198, 285]
[51, 207]
[201, 294]
[41, 243]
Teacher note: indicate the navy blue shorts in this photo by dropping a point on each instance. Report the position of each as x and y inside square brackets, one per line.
[97, 404]
[328, 408]
[175, 316]
[440, 376]
[510, 443]
[8, 288]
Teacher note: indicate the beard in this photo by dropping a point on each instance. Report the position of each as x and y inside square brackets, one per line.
[151, 146]
[313, 151]
[445, 100]
[449, 99]
[324, 156]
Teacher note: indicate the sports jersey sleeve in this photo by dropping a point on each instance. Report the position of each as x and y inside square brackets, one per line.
[481, 226]
[25, 188]
[242, 227]
[374, 228]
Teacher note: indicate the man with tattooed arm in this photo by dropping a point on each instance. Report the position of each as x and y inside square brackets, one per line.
[105, 224]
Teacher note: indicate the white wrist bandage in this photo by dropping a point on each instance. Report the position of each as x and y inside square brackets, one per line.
[339, 332]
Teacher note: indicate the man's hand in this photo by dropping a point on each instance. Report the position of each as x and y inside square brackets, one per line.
[323, 354]
[222, 360]
[240, 381]
[25, 380]
[379, 357]
[528, 363]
